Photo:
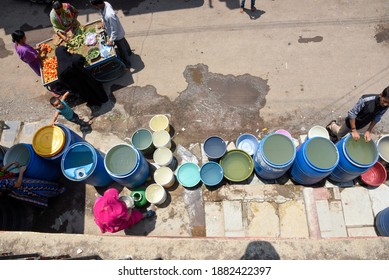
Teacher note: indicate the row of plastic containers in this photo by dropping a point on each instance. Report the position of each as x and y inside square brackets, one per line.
[312, 161]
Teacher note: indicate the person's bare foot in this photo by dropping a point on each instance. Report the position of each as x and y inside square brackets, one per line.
[241, 10]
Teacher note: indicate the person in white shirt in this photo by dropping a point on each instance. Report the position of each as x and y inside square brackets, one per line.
[114, 30]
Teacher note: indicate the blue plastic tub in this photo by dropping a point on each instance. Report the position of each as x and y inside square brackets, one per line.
[382, 222]
[355, 158]
[36, 166]
[188, 174]
[126, 165]
[274, 156]
[211, 173]
[82, 162]
[215, 147]
[248, 143]
[316, 158]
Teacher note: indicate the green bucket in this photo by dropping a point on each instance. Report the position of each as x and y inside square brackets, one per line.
[237, 165]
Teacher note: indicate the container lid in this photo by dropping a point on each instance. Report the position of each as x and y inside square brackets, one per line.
[48, 141]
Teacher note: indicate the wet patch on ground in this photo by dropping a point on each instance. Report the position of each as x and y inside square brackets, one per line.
[315, 39]
[382, 33]
[212, 104]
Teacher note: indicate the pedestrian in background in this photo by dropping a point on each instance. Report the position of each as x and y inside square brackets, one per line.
[27, 53]
[63, 17]
[114, 30]
[253, 9]
[366, 113]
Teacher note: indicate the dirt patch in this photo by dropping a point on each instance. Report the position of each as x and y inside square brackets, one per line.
[224, 105]
[382, 33]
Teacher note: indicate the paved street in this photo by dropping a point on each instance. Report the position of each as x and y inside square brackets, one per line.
[291, 65]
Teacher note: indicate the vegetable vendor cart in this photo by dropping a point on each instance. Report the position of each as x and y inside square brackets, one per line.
[102, 61]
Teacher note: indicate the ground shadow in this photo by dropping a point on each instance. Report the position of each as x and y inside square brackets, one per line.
[136, 63]
[254, 15]
[66, 212]
[39, 13]
[260, 250]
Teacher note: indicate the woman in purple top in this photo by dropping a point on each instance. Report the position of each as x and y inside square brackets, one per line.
[27, 53]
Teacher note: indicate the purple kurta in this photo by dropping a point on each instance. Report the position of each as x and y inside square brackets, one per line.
[30, 56]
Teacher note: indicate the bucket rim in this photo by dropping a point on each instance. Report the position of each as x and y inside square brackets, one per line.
[30, 155]
[148, 189]
[314, 167]
[159, 116]
[71, 147]
[272, 164]
[121, 176]
[378, 145]
[248, 136]
[208, 164]
[195, 166]
[322, 128]
[136, 132]
[358, 164]
[161, 169]
[163, 149]
[224, 146]
[250, 160]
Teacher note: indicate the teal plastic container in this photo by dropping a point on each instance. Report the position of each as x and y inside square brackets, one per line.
[211, 173]
[142, 139]
[188, 174]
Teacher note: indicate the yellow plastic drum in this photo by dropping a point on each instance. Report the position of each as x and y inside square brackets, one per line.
[48, 141]
[159, 122]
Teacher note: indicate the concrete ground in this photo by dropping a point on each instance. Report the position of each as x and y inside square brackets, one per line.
[215, 71]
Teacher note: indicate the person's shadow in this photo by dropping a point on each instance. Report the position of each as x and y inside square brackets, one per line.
[136, 63]
[260, 250]
[254, 15]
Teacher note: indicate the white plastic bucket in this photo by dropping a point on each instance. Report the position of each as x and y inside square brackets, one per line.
[163, 156]
[155, 194]
[383, 147]
[159, 122]
[164, 176]
[161, 138]
[318, 131]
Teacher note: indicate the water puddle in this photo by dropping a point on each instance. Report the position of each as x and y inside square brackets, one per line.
[315, 39]
[212, 104]
[382, 33]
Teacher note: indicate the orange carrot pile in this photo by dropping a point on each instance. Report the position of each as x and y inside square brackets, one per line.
[49, 69]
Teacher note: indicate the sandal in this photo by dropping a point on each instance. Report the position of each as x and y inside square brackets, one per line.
[329, 125]
[253, 9]
[150, 213]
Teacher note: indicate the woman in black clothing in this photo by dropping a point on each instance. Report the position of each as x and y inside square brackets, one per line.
[72, 74]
